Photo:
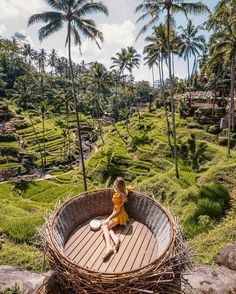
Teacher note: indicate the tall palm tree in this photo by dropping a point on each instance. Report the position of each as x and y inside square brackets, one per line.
[126, 59]
[223, 41]
[98, 82]
[121, 61]
[192, 44]
[133, 60]
[152, 10]
[72, 13]
[52, 58]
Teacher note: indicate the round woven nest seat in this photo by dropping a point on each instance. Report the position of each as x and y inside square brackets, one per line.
[151, 256]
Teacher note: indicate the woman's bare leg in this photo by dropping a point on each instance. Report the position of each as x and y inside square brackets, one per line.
[106, 232]
[115, 239]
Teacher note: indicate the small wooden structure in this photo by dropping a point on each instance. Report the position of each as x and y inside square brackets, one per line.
[151, 257]
[224, 122]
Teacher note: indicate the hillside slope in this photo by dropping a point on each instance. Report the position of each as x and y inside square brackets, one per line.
[203, 199]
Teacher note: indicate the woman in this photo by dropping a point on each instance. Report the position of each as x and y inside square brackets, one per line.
[118, 217]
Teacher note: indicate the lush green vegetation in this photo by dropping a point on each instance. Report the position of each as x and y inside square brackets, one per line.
[202, 199]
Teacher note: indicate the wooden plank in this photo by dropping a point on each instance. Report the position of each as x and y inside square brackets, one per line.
[126, 234]
[149, 251]
[128, 249]
[154, 253]
[77, 240]
[96, 259]
[97, 256]
[76, 233]
[142, 250]
[135, 251]
[122, 249]
[138, 247]
[80, 244]
[89, 248]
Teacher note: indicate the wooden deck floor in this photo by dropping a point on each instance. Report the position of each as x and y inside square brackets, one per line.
[138, 248]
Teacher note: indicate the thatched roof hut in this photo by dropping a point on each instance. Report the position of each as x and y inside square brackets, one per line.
[152, 254]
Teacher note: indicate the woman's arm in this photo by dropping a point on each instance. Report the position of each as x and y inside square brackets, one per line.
[114, 213]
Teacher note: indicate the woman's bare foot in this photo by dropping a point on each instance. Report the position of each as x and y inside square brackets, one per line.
[108, 253]
[117, 245]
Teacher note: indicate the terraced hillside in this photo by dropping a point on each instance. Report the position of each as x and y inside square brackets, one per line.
[22, 140]
[203, 199]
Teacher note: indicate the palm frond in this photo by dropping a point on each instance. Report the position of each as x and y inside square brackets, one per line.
[45, 17]
[195, 8]
[49, 29]
[92, 7]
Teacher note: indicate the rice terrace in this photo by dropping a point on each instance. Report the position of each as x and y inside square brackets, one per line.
[117, 146]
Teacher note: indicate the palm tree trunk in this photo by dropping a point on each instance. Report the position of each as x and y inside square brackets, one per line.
[189, 82]
[161, 74]
[231, 107]
[153, 90]
[76, 107]
[127, 126]
[173, 65]
[51, 74]
[36, 136]
[44, 149]
[119, 134]
[172, 97]
[68, 129]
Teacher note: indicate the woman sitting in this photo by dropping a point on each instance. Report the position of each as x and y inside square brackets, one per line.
[118, 217]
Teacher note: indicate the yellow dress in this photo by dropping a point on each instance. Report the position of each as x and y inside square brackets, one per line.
[122, 217]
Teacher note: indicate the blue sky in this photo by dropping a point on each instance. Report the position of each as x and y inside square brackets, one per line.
[120, 30]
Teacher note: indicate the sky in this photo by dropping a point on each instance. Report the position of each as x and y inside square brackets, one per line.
[119, 28]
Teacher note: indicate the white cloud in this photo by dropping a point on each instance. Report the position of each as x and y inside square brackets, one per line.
[3, 29]
[116, 36]
[120, 34]
[10, 9]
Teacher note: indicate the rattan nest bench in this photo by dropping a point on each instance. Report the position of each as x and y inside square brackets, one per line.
[150, 259]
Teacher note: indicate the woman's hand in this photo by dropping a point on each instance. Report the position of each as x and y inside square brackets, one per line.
[106, 221]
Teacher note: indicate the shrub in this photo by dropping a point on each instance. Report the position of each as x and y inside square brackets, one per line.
[22, 125]
[139, 140]
[223, 141]
[8, 138]
[12, 290]
[9, 151]
[213, 199]
[215, 130]
[210, 205]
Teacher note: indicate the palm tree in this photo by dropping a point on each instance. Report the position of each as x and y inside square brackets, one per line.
[133, 60]
[192, 44]
[223, 42]
[151, 10]
[42, 58]
[74, 14]
[121, 61]
[127, 59]
[98, 82]
[52, 57]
